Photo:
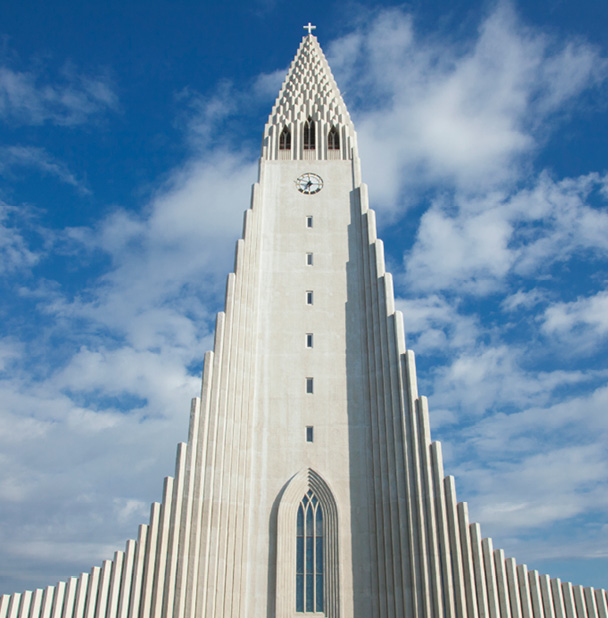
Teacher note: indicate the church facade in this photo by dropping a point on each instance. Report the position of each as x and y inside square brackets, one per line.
[309, 484]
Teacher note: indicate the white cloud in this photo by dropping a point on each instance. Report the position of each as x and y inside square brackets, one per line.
[38, 158]
[582, 323]
[468, 116]
[474, 244]
[15, 254]
[433, 324]
[30, 98]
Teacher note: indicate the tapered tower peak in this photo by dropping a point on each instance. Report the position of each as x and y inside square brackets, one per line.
[309, 119]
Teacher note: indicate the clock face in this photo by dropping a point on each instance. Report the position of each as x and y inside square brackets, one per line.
[309, 183]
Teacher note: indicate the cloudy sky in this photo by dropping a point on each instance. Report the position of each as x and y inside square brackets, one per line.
[129, 139]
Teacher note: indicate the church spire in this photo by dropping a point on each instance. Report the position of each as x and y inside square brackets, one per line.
[309, 103]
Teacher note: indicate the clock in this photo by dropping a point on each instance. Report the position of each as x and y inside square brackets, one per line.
[309, 183]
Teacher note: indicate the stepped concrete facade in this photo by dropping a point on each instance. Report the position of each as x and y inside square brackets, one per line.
[309, 483]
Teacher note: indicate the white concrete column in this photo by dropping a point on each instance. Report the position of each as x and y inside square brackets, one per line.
[24, 606]
[558, 599]
[545, 588]
[126, 583]
[5, 601]
[114, 591]
[490, 571]
[104, 589]
[138, 572]
[513, 585]
[579, 601]
[467, 560]
[92, 592]
[568, 596]
[81, 596]
[524, 591]
[501, 582]
[47, 602]
[69, 598]
[535, 594]
[13, 608]
[57, 600]
[600, 602]
[36, 603]
[590, 603]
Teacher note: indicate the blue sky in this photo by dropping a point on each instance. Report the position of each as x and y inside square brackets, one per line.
[129, 140]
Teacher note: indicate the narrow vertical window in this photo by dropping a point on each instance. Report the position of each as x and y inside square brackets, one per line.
[309, 297]
[309, 134]
[285, 139]
[309, 340]
[333, 139]
[309, 386]
[309, 259]
[309, 221]
[309, 555]
[309, 434]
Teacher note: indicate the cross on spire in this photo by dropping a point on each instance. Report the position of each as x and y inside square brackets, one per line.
[309, 27]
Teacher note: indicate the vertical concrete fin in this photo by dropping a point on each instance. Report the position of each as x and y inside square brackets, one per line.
[590, 603]
[478, 568]
[524, 591]
[24, 606]
[47, 601]
[547, 596]
[601, 604]
[13, 608]
[513, 584]
[412, 384]
[501, 583]
[558, 599]
[161, 548]
[5, 601]
[467, 559]
[455, 548]
[104, 589]
[149, 562]
[92, 593]
[491, 583]
[536, 595]
[443, 530]
[579, 601]
[36, 605]
[126, 582]
[177, 506]
[139, 564]
[371, 227]
[58, 598]
[436, 606]
[568, 596]
[115, 581]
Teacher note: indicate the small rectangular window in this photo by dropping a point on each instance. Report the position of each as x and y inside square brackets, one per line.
[309, 340]
[309, 221]
[309, 434]
[309, 297]
[309, 386]
[309, 259]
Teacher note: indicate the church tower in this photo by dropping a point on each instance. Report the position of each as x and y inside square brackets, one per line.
[309, 484]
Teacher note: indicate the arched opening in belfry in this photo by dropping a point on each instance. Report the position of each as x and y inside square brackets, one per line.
[285, 139]
[309, 134]
[333, 139]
